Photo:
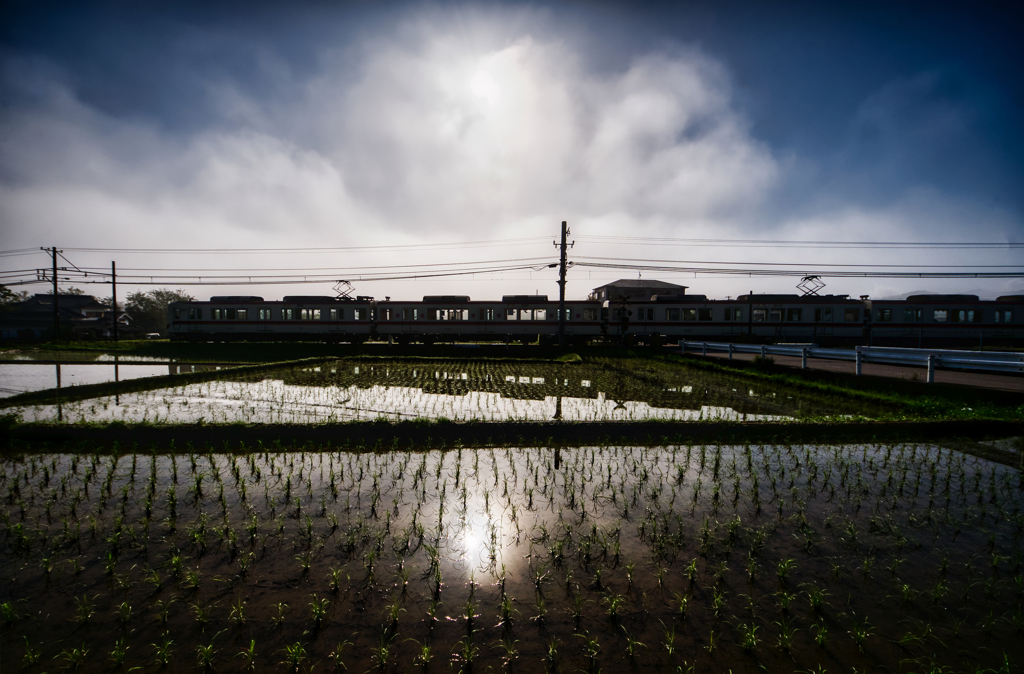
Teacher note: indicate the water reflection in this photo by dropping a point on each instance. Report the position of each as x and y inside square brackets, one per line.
[462, 391]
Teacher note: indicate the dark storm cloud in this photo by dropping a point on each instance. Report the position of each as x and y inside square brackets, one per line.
[275, 124]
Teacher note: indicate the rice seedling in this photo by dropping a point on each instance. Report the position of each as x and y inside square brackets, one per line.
[294, 655]
[74, 657]
[248, 655]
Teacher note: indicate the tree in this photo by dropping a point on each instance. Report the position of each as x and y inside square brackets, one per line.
[148, 311]
[9, 298]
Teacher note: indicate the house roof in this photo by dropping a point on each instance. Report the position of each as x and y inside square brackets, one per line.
[639, 283]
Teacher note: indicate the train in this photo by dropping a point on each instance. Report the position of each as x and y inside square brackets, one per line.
[927, 321]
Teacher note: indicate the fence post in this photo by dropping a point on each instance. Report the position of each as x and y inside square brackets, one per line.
[730, 351]
[803, 359]
[931, 368]
[682, 346]
[859, 361]
[764, 352]
[703, 348]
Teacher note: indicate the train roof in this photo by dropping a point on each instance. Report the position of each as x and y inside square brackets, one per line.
[524, 298]
[443, 299]
[1010, 298]
[769, 298]
[917, 299]
[310, 299]
[679, 298]
[235, 298]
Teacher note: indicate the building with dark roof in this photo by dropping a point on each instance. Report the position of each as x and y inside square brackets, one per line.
[635, 290]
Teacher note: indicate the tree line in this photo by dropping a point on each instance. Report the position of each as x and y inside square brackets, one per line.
[147, 311]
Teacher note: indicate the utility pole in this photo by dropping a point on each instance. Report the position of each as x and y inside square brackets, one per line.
[561, 285]
[113, 285]
[56, 309]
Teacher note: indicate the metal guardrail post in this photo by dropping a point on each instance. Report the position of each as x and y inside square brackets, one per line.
[704, 348]
[931, 368]
[859, 362]
[682, 346]
[730, 351]
[803, 358]
[764, 352]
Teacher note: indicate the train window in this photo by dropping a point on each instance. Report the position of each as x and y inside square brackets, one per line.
[558, 314]
[590, 314]
[759, 315]
[1004, 316]
[417, 314]
[309, 314]
[671, 314]
[794, 314]
[940, 315]
[232, 314]
[452, 314]
[703, 314]
[177, 314]
[775, 315]
[287, 314]
[689, 314]
[851, 315]
[511, 314]
[195, 314]
[823, 315]
[540, 314]
[912, 315]
[884, 315]
[243, 314]
[264, 314]
[488, 314]
[334, 314]
[360, 314]
[732, 314]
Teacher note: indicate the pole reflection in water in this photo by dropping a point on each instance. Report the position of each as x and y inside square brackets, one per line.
[60, 408]
[117, 378]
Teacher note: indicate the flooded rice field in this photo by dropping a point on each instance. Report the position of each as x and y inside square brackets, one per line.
[454, 390]
[18, 378]
[898, 558]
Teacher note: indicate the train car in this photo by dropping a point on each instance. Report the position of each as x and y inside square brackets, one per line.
[826, 320]
[947, 321]
[438, 318]
[249, 318]
[829, 320]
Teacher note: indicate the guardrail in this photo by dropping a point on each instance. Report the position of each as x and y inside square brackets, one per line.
[982, 361]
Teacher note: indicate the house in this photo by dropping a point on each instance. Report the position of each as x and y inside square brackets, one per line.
[80, 317]
[634, 290]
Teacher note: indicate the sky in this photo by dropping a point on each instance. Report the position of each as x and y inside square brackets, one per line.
[350, 139]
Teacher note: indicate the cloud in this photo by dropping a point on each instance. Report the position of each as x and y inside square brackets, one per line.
[416, 131]
[491, 124]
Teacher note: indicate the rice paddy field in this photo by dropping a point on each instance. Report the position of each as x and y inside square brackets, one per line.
[675, 558]
[457, 390]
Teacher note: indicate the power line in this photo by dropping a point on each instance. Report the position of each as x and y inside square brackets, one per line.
[805, 272]
[829, 264]
[783, 243]
[318, 249]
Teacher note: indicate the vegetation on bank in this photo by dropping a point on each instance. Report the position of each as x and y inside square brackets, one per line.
[904, 399]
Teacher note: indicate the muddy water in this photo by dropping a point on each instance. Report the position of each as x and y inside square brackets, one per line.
[913, 554]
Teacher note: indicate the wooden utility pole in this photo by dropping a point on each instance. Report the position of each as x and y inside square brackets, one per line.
[56, 308]
[561, 285]
[113, 286]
